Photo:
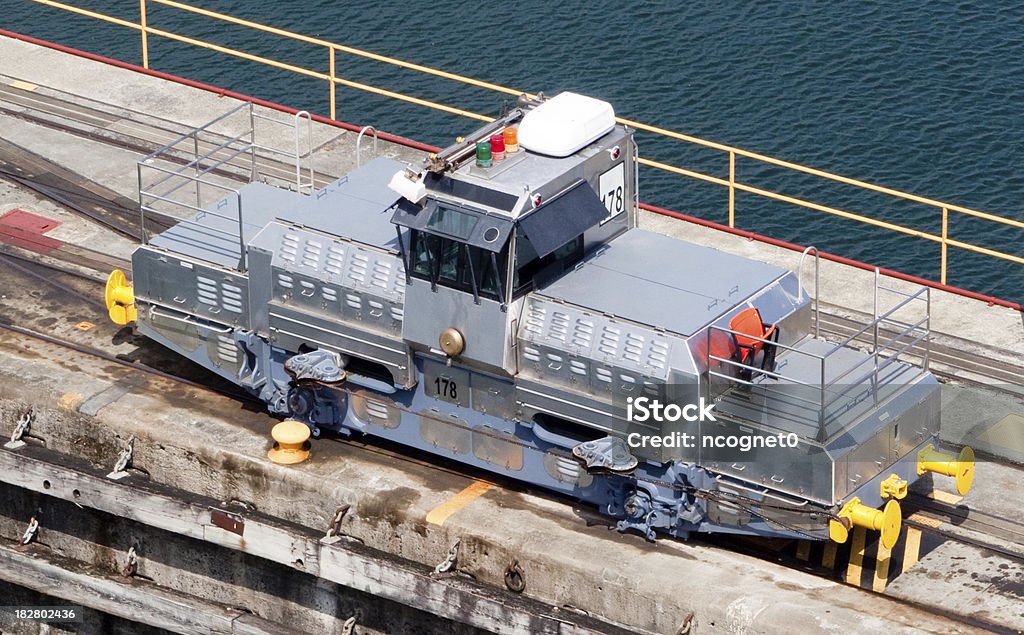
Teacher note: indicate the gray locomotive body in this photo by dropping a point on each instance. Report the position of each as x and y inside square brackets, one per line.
[507, 317]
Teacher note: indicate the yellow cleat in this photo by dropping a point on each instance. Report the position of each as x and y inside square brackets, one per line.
[961, 467]
[888, 520]
[290, 447]
[120, 298]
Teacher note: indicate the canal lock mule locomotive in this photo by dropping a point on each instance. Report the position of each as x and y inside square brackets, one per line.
[498, 306]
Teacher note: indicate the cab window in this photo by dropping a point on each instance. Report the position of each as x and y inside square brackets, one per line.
[449, 263]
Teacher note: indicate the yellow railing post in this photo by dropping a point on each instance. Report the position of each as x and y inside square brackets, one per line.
[945, 242]
[732, 189]
[145, 41]
[334, 86]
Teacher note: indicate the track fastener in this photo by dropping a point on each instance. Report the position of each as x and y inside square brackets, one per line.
[19, 430]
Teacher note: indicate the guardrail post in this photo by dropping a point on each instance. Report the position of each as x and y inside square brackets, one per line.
[199, 185]
[243, 264]
[142, 206]
[945, 240]
[145, 40]
[823, 405]
[874, 340]
[732, 189]
[334, 86]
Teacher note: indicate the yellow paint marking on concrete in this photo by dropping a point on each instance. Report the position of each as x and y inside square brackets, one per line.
[913, 549]
[924, 520]
[828, 559]
[945, 497]
[70, 400]
[1007, 433]
[475, 490]
[882, 560]
[803, 550]
[84, 326]
[853, 570]
[23, 85]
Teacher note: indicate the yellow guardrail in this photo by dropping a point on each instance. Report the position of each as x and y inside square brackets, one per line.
[943, 210]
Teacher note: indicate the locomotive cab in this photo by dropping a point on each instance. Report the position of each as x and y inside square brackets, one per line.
[483, 236]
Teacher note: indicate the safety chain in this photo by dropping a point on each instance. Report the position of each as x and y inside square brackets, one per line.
[30, 533]
[124, 459]
[334, 530]
[349, 627]
[20, 429]
[449, 563]
[131, 563]
[515, 580]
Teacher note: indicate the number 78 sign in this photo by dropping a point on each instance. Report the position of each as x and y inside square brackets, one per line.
[612, 188]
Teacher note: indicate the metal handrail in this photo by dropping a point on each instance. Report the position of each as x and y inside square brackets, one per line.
[359, 141]
[874, 322]
[223, 151]
[732, 183]
[299, 184]
[878, 350]
[800, 286]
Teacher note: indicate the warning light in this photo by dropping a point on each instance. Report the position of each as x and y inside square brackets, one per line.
[614, 152]
[498, 147]
[483, 154]
[511, 135]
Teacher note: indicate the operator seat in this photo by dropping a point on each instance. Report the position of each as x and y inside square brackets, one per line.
[755, 342]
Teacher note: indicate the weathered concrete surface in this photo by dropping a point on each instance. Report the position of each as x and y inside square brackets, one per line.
[212, 446]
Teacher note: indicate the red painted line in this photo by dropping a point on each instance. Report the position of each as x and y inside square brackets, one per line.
[409, 143]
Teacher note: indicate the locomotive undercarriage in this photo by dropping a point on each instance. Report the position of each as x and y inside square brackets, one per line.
[671, 498]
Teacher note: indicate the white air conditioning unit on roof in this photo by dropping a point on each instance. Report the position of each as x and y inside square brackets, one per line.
[565, 124]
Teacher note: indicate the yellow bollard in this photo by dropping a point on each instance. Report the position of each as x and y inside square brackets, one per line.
[888, 521]
[961, 467]
[291, 437]
[119, 298]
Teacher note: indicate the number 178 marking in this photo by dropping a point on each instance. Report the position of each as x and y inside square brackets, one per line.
[612, 187]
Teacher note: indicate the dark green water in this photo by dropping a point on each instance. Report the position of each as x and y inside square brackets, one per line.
[925, 98]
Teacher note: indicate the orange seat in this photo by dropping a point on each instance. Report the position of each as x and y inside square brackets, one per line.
[748, 325]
